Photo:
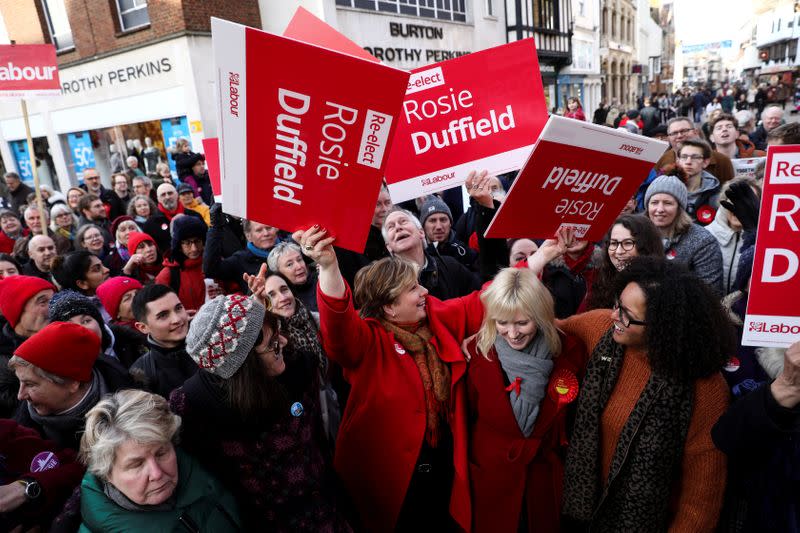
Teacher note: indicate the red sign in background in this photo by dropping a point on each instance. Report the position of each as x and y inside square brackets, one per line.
[466, 113]
[773, 315]
[578, 175]
[211, 152]
[28, 70]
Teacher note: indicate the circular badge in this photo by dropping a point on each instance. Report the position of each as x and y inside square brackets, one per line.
[297, 409]
[733, 364]
[164, 227]
[671, 254]
[563, 386]
[44, 461]
[399, 348]
[705, 214]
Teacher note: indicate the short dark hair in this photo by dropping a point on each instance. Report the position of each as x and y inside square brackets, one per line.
[86, 201]
[11, 259]
[719, 118]
[150, 293]
[698, 143]
[71, 267]
[787, 133]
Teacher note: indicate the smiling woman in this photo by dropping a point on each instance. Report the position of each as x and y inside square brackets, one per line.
[137, 479]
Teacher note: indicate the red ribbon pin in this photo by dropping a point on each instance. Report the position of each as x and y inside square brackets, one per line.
[515, 385]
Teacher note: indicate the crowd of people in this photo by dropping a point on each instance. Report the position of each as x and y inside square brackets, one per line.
[166, 366]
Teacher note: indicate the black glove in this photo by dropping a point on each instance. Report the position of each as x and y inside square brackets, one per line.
[217, 216]
[742, 202]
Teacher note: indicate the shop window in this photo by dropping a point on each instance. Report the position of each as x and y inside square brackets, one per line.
[58, 25]
[132, 14]
[453, 10]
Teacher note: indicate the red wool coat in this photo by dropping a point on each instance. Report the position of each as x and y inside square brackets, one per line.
[383, 425]
[192, 289]
[506, 468]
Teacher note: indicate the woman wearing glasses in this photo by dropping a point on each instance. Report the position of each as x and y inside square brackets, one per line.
[641, 457]
[252, 418]
[630, 236]
[685, 242]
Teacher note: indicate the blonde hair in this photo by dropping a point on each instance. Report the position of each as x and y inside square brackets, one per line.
[127, 415]
[517, 290]
[381, 283]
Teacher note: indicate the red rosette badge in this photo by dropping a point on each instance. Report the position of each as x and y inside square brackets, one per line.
[563, 386]
[706, 214]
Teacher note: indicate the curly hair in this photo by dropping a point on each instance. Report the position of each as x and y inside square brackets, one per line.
[688, 335]
[648, 243]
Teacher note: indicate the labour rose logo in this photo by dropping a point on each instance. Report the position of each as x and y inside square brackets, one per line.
[705, 214]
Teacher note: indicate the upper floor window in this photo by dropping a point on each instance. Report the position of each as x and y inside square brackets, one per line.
[58, 24]
[132, 14]
[435, 9]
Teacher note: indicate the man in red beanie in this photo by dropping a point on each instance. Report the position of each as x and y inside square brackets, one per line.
[23, 302]
[57, 391]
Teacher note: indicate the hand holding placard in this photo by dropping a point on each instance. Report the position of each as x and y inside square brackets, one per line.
[786, 387]
[477, 186]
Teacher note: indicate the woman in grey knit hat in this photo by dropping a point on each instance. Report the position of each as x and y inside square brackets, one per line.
[252, 418]
[666, 200]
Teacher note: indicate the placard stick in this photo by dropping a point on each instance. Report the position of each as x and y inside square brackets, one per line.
[32, 156]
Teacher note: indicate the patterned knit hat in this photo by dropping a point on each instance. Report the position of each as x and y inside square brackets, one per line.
[223, 332]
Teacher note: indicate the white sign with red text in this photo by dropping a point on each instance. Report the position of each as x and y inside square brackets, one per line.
[304, 131]
[773, 316]
[480, 111]
[28, 70]
[579, 175]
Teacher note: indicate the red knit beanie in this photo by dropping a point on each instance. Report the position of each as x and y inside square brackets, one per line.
[135, 238]
[111, 291]
[64, 349]
[15, 292]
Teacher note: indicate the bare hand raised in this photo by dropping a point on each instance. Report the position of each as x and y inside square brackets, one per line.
[316, 244]
[477, 185]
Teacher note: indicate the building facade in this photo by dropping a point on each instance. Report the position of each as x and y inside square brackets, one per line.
[403, 33]
[582, 78]
[617, 42]
[135, 77]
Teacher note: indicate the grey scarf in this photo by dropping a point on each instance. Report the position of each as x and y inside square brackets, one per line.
[533, 365]
[63, 427]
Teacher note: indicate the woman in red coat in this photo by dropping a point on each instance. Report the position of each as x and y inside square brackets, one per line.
[522, 377]
[401, 450]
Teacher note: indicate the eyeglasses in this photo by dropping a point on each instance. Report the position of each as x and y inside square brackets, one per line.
[189, 243]
[680, 132]
[627, 245]
[273, 346]
[92, 237]
[625, 318]
[692, 157]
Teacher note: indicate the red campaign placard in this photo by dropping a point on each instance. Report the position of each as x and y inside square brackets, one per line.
[480, 111]
[578, 175]
[211, 152]
[305, 27]
[304, 131]
[773, 316]
[28, 70]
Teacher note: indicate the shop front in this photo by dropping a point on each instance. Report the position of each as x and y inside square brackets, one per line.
[136, 103]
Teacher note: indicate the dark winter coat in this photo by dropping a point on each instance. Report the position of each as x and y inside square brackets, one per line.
[157, 226]
[276, 467]
[114, 376]
[162, 370]
[129, 344]
[217, 266]
[456, 249]
[508, 470]
[759, 138]
[762, 441]
[351, 262]
[9, 384]
[446, 278]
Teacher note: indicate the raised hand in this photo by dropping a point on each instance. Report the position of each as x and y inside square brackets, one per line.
[316, 244]
[477, 185]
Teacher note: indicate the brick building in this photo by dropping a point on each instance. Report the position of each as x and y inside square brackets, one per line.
[135, 76]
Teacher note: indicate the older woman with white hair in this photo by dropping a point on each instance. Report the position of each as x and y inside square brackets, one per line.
[137, 480]
[63, 221]
[286, 259]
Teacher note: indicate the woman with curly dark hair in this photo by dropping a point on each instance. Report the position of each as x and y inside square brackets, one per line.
[641, 456]
[630, 236]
